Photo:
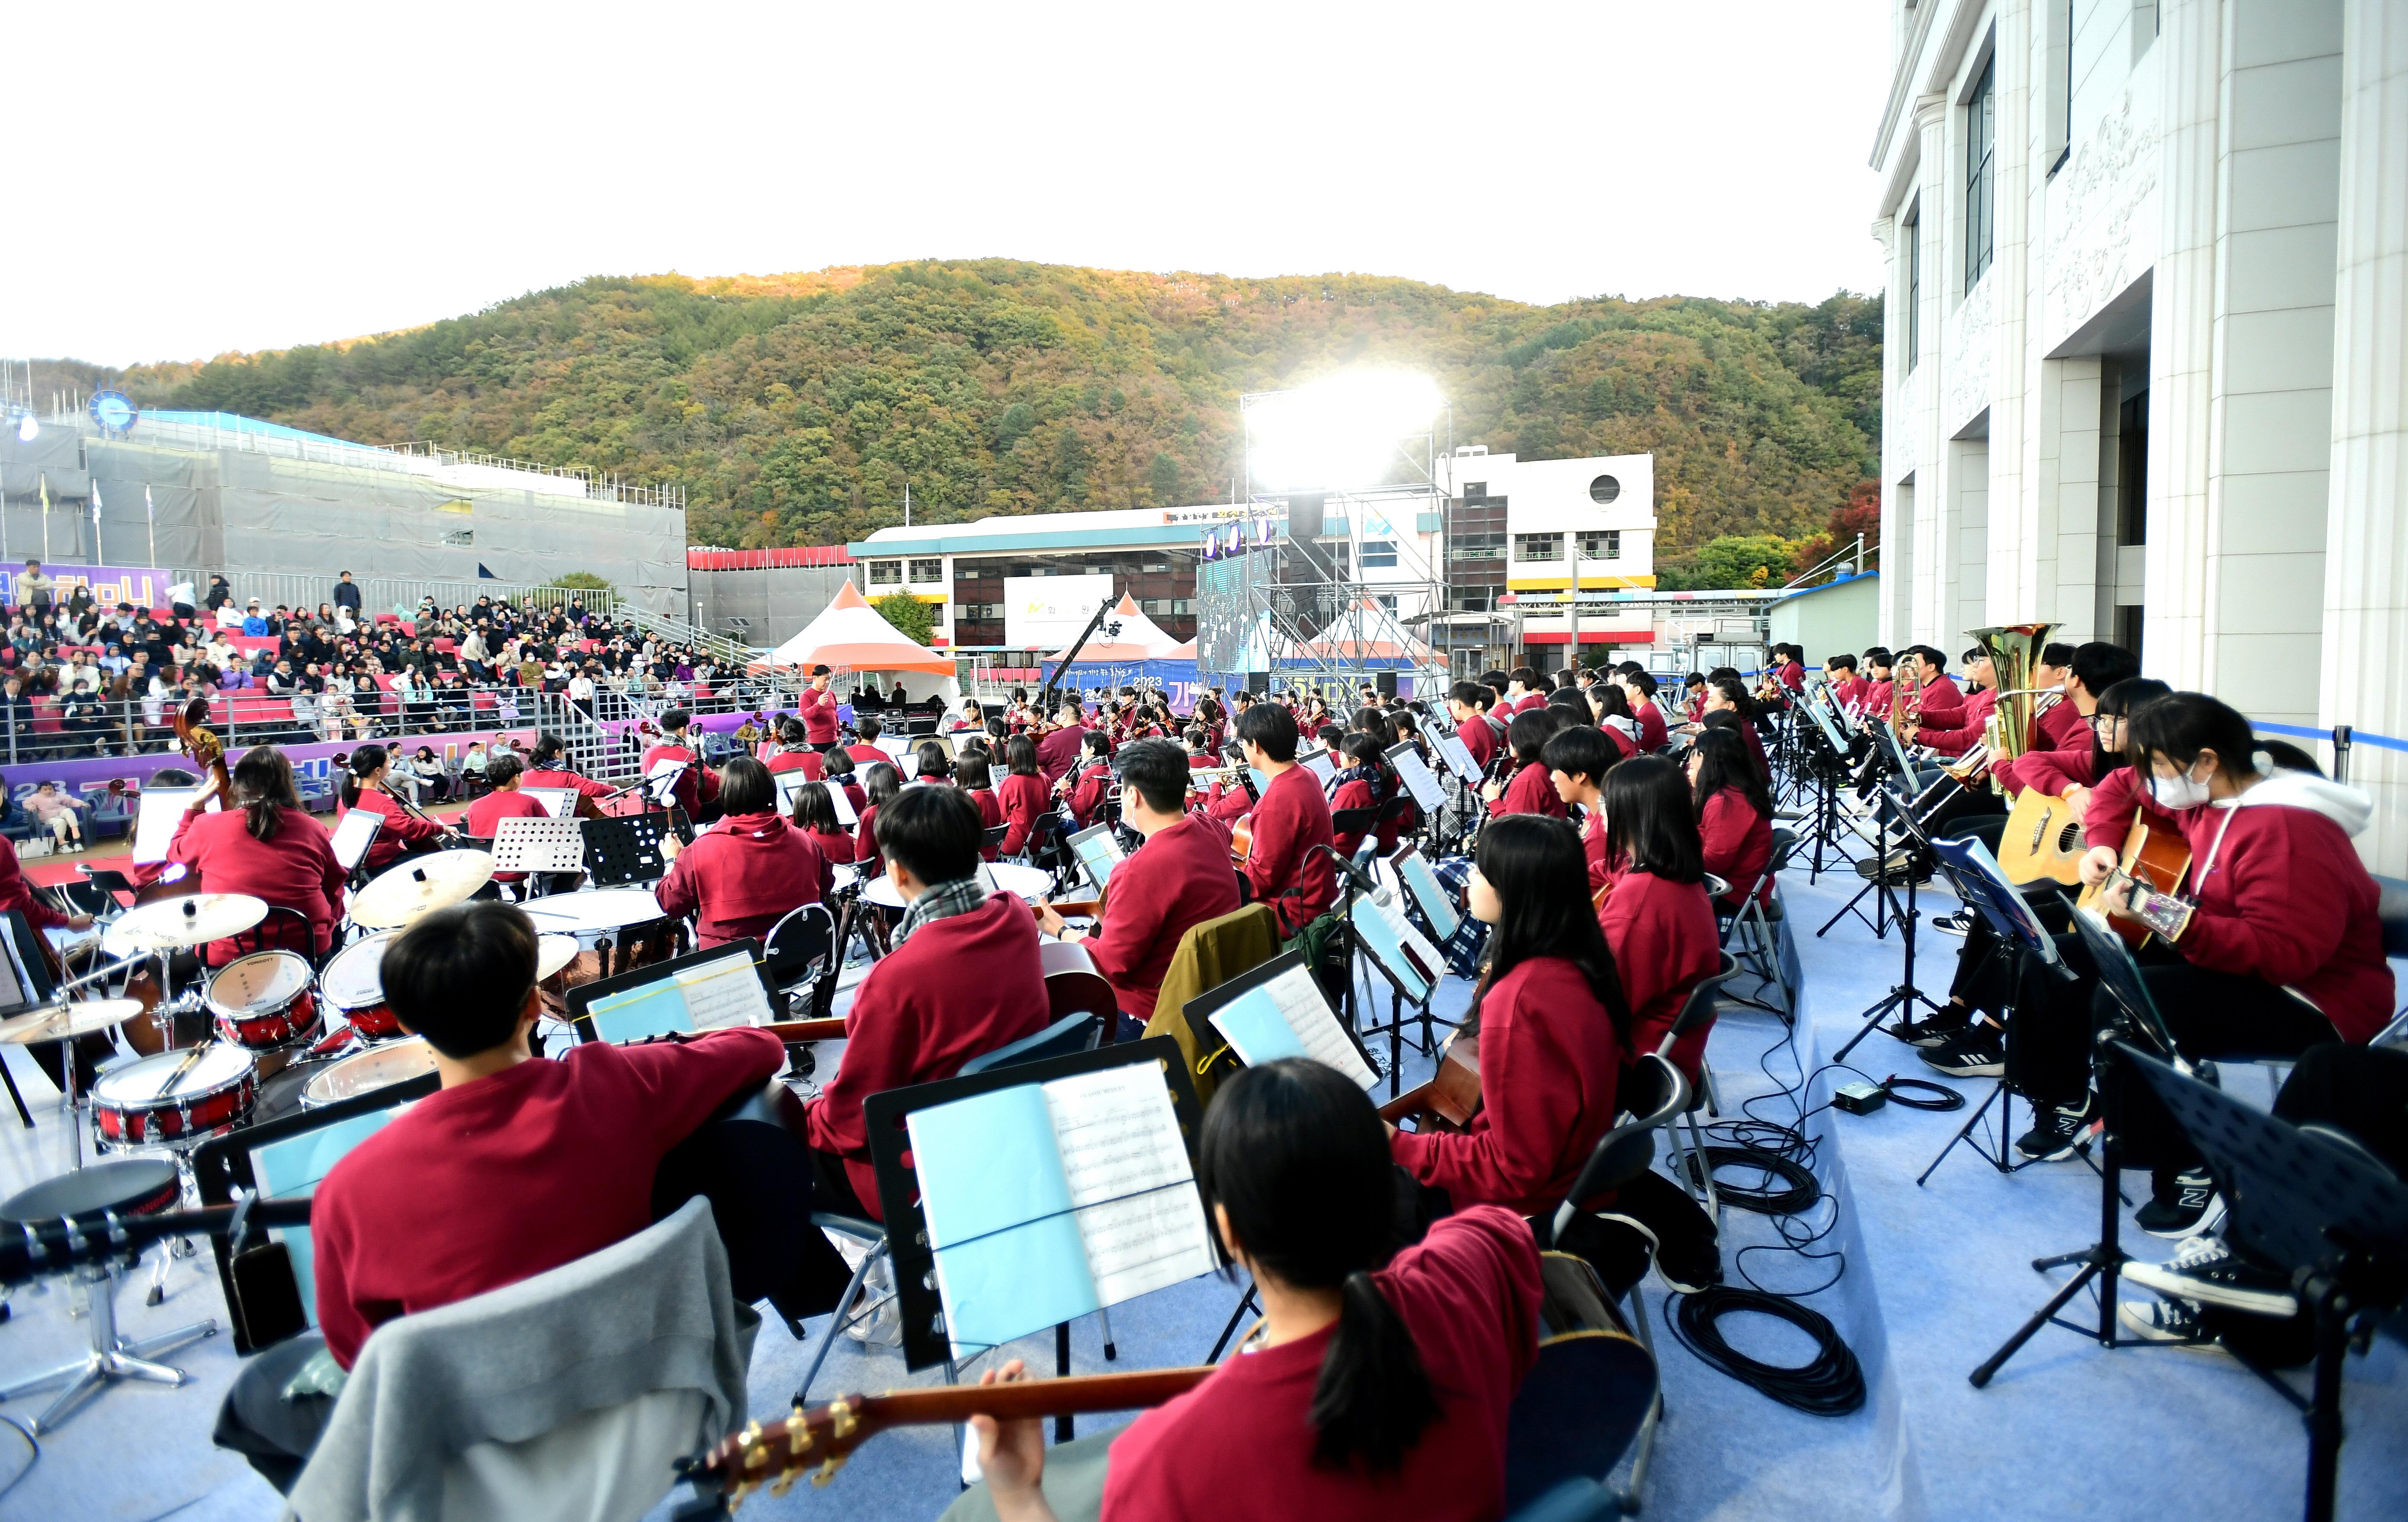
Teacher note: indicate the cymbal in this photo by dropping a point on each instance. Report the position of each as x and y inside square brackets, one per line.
[189, 919]
[553, 953]
[63, 1024]
[420, 885]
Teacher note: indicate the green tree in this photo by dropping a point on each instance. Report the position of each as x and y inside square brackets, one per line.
[1732, 562]
[1162, 479]
[583, 581]
[913, 618]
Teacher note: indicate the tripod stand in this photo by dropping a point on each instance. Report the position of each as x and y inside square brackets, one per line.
[1903, 995]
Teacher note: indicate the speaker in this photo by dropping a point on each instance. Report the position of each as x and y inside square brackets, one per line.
[1259, 683]
[1387, 682]
[1307, 559]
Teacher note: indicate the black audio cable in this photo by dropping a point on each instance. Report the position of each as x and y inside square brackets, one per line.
[1832, 1384]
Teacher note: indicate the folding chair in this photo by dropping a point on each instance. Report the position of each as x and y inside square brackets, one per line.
[800, 947]
[1689, 1162]
[1762, 932]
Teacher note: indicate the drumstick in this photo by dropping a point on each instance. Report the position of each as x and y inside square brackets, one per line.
[175, 1077]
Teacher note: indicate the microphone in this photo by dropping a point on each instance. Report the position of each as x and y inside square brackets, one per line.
[1363, 880]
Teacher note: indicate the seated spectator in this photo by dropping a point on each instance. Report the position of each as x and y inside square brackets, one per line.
[54, 810]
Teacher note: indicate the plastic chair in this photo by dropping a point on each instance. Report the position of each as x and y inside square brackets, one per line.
[1698, 1012]
[1761, 931]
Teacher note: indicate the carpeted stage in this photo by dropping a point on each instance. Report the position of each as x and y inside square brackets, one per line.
[1934, 1278]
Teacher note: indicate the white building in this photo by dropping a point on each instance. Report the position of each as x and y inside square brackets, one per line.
[2147, 355]
[1513, 530]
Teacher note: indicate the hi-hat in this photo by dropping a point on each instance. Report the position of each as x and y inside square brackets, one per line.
[191, 919]
[65, 1024]
[420, 885]
[553, 953]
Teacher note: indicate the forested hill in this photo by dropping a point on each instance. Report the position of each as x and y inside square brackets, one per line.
[793, 407]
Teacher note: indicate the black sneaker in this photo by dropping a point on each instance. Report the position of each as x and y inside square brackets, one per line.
[1959, 923]
[2058, 1132]
[2187, 1208]
[1940, 1025]
[2174, 1323]
[1978, 1051]
[2206, 1270]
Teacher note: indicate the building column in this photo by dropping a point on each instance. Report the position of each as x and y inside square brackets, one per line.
[1932, 555]
[2063, 556]
[2366, 554]
[1897, 463]
[2182, 340]
[2011, 583]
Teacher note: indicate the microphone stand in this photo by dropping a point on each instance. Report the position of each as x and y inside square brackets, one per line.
[1351, 879]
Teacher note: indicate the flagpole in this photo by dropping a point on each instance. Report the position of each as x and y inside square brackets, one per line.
[150, 510]
[46, 524]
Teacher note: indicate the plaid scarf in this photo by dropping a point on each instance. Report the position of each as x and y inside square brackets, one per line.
[941, 902]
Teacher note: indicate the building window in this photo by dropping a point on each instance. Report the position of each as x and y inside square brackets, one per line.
[1981, 121]
[1601, 544]
[1468, 601]
[1476, 546]
[1379, 554]
[885, 573]
[1604, 489]
[1155, 607]
[1154, 567]
[978, 612]
[1475, 490]
[1182, 607]
[1388, 600]
[1538, 546]
[1914, 233]
[924, 571]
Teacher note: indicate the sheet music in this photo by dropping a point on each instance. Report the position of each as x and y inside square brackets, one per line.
[725, 992]
[843, 806]
[353, 834]
[1417, 779]
[559, 803]
[1396, 946]
[1451, 749]
[1293, 1002]
[1131, 1187]
[1009, 1260]
[1319, 763]
[661, 782]
[155, 826]
[1427, 894]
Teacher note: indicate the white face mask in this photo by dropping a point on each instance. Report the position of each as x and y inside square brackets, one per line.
[2178, 793]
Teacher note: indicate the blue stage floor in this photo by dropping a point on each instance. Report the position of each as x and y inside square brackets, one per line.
[1935, 1278]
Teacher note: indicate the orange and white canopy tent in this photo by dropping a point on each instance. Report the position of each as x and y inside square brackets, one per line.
[851, 635]
[1135, 637]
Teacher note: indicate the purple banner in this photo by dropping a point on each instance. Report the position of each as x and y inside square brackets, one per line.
[142, 585]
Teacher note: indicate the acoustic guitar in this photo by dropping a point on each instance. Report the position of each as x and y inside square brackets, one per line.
[2042, 841]
[2152, 857]
[1451, 1098]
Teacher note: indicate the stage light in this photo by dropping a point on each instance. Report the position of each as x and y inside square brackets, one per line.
[1338, 432]
[27, 427]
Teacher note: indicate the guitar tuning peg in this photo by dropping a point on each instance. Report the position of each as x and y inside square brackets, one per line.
[827, 1472]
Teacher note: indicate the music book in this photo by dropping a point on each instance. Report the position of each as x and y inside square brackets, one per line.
[1459, 758]
[353, 834]
[1401, 952]
[1428, 895]
[1417, 777]
[1318, 762]
[1047, 1202]
[712, 996]
[291, 1169]
[1098, 850]
[560, 802]
[1289, 1016]
[660, 783]
[154, 827]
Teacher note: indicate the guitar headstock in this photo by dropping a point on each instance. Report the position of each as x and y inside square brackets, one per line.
[819, 1439]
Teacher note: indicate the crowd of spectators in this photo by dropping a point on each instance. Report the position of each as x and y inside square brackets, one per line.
[78, 678]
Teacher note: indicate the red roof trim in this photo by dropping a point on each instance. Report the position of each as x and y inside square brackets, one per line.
[756, 560]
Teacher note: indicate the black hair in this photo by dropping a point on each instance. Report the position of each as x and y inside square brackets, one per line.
[1273, 730]
[1973, 653]
[931, 758]
[1640, 678]
[675, 720]
[263, 781]
[745, 787]
[365, 762]
[1844, 662]
[1158, 770]
[1330, 735]
[1524, 674]
[1295, 1156]
[547, 745]
[1724, 760]
[935, 833]
[881, 784]
[1932, 653]
[1733, 688]
[867, 727]
[2181, 725]
[2288, 756]
[2122, 700]
[822, 671]
[973, 771]
[1611, 702]
[461, 977]
[1540, 682]
[815, 810]
[1537, 866]
[2055, 654]
[2099, 665]
[1649, 821]
[503, 770]
[1472, 694]
[1529, 733]
[1581, 750]
[1096, 741]
[837, 763]
[791, 731]
[1020, 756]
[1570, 700]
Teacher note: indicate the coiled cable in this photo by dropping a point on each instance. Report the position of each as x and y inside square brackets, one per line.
[1832, 1384]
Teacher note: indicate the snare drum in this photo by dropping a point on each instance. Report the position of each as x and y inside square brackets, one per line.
[263, 1001]
[364, 1073]
[595, 915]
[353, 984]
[146, 1103]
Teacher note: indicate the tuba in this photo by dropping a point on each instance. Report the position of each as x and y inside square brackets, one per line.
[2014, 649]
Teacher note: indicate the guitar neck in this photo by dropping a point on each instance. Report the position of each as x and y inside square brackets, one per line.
[801, 1031]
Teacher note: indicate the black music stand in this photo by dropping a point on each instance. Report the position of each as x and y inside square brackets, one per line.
[1903, 994]
[580, 999]
[1198, 1012]
[2313, 1201]
[626, 848]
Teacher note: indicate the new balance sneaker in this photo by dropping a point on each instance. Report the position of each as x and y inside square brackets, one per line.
[1934, 1028]
[1978, 1051]
[2173, 1322]
[1959, 923]
[2205, 1269]
[2058, 1132]
[2185, 1206]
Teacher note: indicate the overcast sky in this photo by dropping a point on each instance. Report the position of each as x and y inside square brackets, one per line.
[201, 180]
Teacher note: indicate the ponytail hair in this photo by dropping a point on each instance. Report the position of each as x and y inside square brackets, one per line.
[262, 783]
[1295, 1161]
[365, 762]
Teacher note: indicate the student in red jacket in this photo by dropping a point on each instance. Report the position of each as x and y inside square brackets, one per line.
[880, 786]
[1577, 762]
[402, 831]
[1085, 787]
[1467, 704]
[1058, 751]
[794, 753]
[2275, 944]
[1178, 879]
[1367, 782]
[1289, 819]
[815, 817]
[974, 775]
[547, 766]
[749, 870]
[1658, 919]
[695, 786]
[865, 751]
[963, 979]
[1847, 688]
[263, 845]
[1552, 1026]
[1372, 1376]
[2070, 757]
[1733, 814]
[1960, 729]
[1639, 686]
[503, 774]
[1023, 792]
[513, 1167]
[816, 706]
[1529, 790]
[843, 772]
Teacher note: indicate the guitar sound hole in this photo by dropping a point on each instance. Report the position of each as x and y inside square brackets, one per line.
[2069, 840]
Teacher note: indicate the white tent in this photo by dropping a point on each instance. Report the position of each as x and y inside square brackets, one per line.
[1125, 635]
[851, 635]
